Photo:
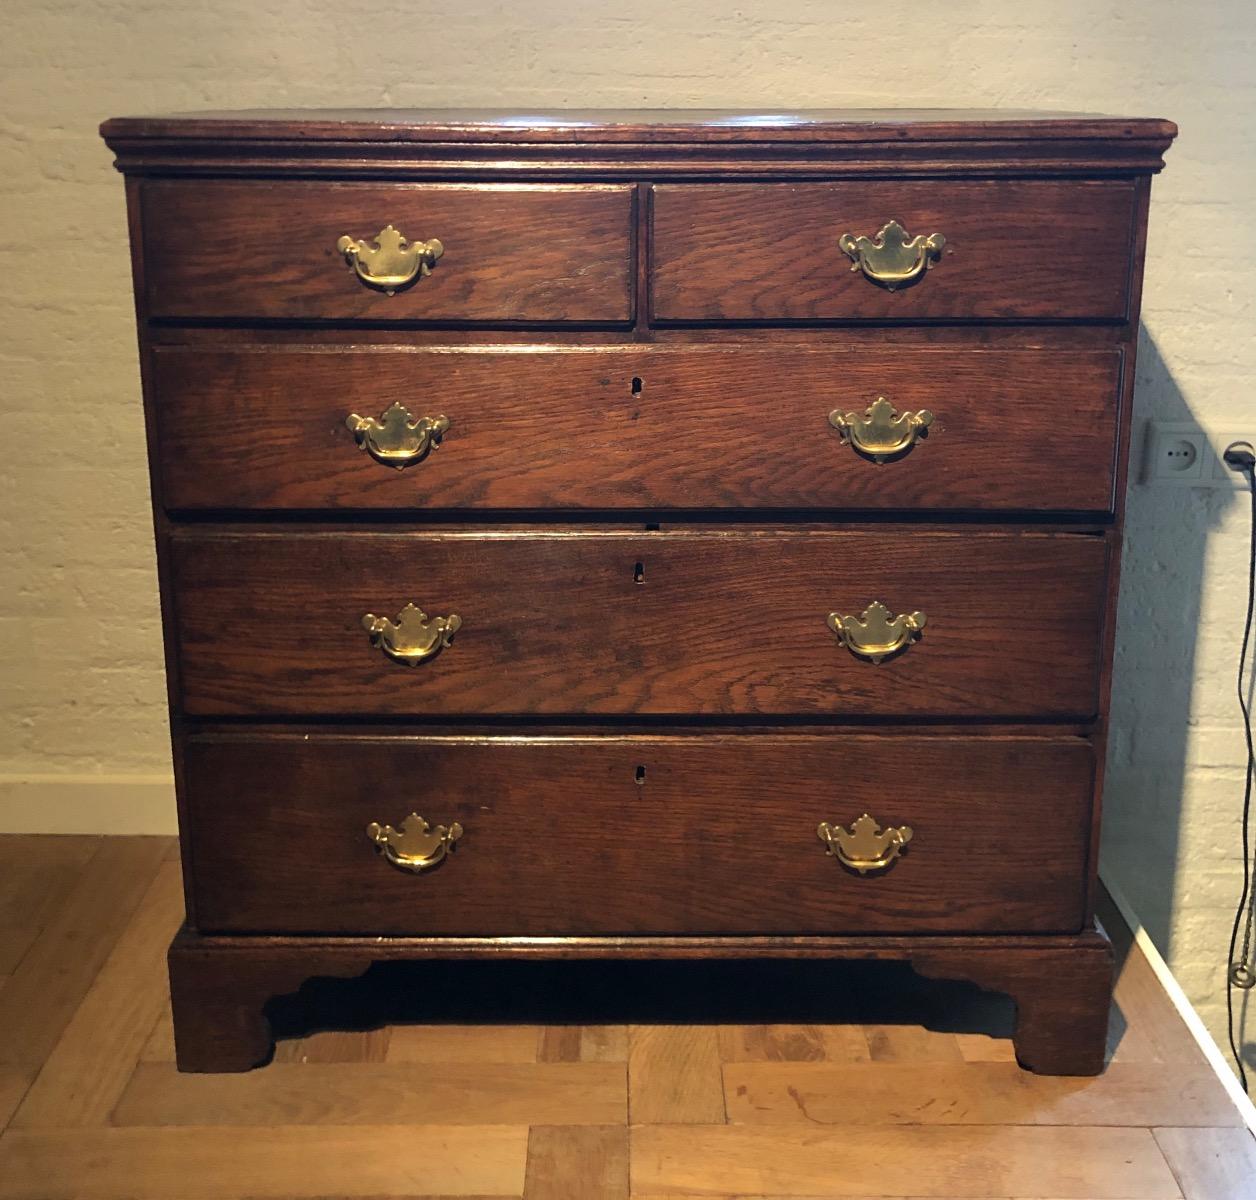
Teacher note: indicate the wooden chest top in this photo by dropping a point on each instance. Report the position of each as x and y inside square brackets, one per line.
[361, 141]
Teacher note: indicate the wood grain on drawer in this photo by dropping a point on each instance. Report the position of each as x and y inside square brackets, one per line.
[526, 253]
[638, 622]
[1015, 250]
[637, 427]
[667, 835]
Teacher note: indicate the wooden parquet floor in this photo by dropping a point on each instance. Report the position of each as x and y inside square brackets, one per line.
[575, 1082]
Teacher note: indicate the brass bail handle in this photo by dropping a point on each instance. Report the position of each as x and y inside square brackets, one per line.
[877, 633]
[415, 845]
[390, 261]
[893, 259]
[865, 846]
[413, 637]
[397, 438]
[881, 432]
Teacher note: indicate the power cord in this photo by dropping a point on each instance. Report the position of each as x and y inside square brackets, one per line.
[1241, 457]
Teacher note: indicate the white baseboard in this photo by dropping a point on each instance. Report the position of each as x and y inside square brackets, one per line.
[87, 804]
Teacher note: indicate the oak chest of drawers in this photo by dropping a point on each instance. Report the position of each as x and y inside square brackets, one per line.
[638, 535]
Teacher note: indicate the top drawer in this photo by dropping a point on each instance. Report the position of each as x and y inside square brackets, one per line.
[1007, 251]
[271, 251]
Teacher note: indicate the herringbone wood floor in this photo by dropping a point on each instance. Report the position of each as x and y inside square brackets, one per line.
[645, 1104]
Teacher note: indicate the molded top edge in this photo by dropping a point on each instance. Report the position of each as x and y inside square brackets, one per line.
[568, 126]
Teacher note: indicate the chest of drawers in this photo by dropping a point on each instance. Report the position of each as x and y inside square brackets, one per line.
[638, 535]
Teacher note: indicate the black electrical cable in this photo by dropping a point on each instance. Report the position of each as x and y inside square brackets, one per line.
[1238, 970]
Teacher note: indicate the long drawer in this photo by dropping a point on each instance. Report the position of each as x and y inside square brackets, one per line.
[540, 427]
[636, 835]
[508, 252]
[631, 621]
[1002, 250]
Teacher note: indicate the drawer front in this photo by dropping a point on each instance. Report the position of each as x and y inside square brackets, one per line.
[638, 835]
[270, 251]
[692, 428]
[1013, 251]
[638, 622]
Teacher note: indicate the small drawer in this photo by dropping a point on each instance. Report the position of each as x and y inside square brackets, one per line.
[546, 428]
[989, 251]
[279, 251]
[888, 621]
[562, 836]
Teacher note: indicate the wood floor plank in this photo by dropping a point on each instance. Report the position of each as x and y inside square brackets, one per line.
[385, 1093]
[1146, 1027]
[36, 872]
[14, 1082]
[604, 1043]
[213, 1163]
[1130, 1094]
[981, 1047]
[463, 1043]
[336, 1046]
[559, 1043]
[583, 1043]
[1211, 1164]
[674, 1075]
[40, 997]
[910, 1043]
[90, 1065]
[159, 1045]
[1019, 1163]
[793, 1043]
[588, 1162]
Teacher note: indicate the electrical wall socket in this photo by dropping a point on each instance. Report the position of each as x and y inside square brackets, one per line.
[1179, 454]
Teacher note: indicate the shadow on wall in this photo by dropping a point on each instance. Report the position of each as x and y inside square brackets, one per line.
[1156, 777]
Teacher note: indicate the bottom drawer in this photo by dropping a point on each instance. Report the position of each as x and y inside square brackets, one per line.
[618, 834]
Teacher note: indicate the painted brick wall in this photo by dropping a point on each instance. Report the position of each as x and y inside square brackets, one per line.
[80, 646]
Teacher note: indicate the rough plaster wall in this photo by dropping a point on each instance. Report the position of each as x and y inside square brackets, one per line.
[80, 656]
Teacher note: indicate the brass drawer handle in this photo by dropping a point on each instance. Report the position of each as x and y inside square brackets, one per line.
[397, 438]
[881, 432]
[416, 846]
[411, 638]
[390, 261]
[875, 634]
[865, 846]
[892, 259]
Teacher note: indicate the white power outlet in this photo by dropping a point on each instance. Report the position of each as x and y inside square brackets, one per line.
[1177, 453]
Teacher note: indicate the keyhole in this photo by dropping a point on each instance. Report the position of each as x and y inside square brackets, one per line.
[640, 776]
[638, 573]
[637, 384]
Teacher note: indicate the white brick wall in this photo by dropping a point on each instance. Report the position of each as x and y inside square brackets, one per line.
[80, 645]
